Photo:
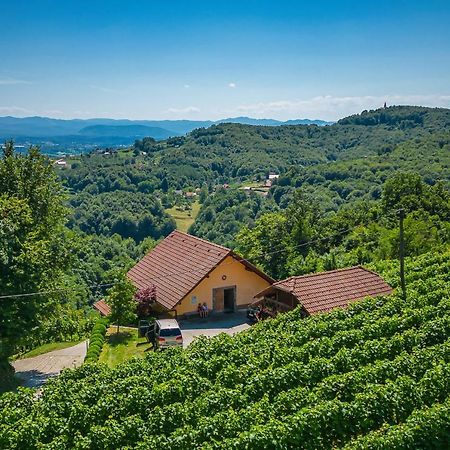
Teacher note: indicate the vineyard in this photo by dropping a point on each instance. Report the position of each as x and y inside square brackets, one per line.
[374, 376]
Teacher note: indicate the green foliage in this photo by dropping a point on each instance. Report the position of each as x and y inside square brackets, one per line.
[224, 213]
[129, 214]
[376, 375]
[64, 323]
[96, 340]
[121, 301]
[302, 239]
[33, 251]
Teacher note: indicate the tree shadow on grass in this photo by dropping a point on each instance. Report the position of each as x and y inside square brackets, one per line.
[121, 338]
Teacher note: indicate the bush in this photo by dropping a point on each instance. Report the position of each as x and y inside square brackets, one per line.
[65, 324]
[7, 379]
[96, 340]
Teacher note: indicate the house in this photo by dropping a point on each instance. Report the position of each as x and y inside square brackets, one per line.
[187, 270]
[61, 163]
[102, 307]
[324, 291]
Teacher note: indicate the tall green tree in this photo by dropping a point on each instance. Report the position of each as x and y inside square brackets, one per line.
[33, 251]
[121, 301]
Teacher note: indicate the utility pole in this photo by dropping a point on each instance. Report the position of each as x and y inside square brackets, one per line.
[402, 254]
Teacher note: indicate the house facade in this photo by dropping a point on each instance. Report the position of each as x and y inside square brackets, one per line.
[188, 271]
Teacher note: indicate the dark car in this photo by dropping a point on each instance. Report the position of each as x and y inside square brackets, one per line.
[253, 313]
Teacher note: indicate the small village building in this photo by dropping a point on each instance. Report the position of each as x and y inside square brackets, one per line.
[61, 163]
[324, 291]
[102, 307]
[188, 271]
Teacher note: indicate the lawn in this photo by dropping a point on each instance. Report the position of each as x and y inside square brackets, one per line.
[45, 348]
[122, 346]
[184, 219]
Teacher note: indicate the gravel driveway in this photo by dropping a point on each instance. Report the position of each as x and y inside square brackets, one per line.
[35, 371]
[213, 325]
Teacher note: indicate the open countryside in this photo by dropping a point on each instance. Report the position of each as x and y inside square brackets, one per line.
[225, 225]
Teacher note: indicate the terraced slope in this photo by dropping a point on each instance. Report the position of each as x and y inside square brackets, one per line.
[376, 375]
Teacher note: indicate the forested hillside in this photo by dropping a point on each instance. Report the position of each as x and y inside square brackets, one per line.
[232, 151]
[334, 204]
[332, 179]
[375, 375]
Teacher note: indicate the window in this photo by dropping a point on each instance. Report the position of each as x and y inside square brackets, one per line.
[167, 332]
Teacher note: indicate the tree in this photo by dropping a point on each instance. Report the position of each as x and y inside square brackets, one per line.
[33, 250]
[164, 185]
[146, 298]
[266, 244]
[121, 300]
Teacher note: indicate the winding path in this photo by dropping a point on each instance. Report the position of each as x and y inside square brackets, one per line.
[34, 372]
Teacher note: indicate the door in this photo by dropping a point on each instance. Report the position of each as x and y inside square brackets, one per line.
[224, 299]
[218, 299]
[229, 299]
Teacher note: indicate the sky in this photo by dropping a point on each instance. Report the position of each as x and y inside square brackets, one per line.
[151, 59]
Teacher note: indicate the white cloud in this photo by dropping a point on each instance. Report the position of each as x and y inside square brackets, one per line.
[187, 110]
[232, 85]
[332, 108]
[82, 113]
[12, 81]
[52, 112]
[187, 86]
[15, 111]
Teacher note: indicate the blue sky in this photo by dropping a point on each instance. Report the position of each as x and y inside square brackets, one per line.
[148, 59]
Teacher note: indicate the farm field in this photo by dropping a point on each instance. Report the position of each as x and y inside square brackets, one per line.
[375, 374]
[184, 219]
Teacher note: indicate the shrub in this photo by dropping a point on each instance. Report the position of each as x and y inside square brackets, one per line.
[96, 340]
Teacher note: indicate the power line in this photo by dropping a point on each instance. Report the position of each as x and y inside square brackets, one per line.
[29, 294]
[241, 259]
[198, 269]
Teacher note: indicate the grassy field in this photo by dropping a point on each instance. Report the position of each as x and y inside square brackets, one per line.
[45, 348]
[184, 219]
[123, 346]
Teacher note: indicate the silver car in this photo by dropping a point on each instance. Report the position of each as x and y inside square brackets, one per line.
[166, 334]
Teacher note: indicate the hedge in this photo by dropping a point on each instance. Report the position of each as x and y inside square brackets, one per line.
[96, 340]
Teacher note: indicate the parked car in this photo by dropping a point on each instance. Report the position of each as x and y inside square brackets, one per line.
[257, 313]
[253, 313]
[165, 333]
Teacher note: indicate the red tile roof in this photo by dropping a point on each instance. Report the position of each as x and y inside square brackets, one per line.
[325, 291]
[178, 264]
[102, 307]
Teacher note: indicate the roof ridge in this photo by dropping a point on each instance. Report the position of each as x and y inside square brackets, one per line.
[309, 275]
[286, 279]
[200, 239]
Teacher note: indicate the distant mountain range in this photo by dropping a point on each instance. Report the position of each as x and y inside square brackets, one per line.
[87, 133]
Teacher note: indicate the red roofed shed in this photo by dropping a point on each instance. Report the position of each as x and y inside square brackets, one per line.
[324, 291]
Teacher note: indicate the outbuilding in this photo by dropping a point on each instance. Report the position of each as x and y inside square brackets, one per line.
[323, 291]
